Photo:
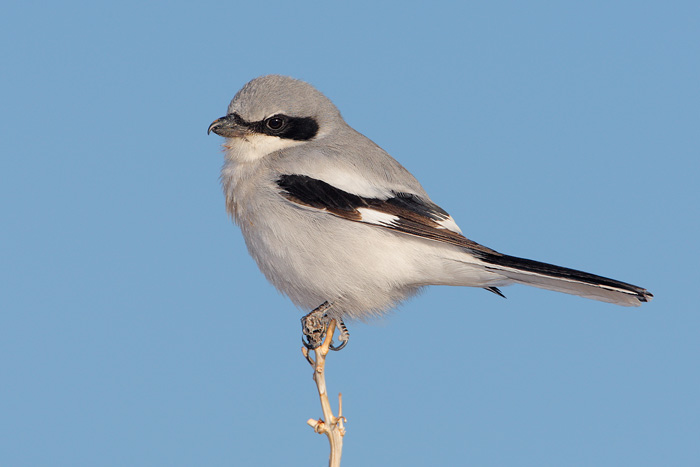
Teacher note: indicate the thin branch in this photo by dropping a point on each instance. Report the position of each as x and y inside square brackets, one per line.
[332, 427]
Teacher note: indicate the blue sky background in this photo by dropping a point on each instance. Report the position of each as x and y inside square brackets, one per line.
[135, 329]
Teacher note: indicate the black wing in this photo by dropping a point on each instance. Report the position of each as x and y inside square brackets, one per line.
[403, 212]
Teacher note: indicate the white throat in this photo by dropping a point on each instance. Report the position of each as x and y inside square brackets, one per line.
[254, 147]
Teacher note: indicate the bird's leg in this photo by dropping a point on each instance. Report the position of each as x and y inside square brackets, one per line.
[343, 338]
[314, 326]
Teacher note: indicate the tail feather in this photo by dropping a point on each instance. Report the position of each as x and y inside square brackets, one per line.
[495, 290]
[571, 281]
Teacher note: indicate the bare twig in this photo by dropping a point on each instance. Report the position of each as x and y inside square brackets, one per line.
[332, 427]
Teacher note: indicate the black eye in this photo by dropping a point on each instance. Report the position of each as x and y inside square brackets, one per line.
[275, 123]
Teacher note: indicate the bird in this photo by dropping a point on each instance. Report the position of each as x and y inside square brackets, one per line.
[338, 225]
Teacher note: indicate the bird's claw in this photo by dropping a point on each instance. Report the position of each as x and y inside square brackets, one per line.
[340, 347]
[344, 337]
[314, 327]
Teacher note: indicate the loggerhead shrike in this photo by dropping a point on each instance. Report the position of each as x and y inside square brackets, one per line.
[331, 218]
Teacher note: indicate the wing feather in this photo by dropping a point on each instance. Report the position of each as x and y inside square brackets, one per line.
[403, 212]
[414, 215]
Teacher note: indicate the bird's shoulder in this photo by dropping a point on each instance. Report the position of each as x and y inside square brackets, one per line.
[351, 162]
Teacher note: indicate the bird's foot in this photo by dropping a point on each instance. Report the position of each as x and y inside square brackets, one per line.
[314, 327]
[343, 338]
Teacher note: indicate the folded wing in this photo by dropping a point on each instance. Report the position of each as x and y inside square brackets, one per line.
[411, 214]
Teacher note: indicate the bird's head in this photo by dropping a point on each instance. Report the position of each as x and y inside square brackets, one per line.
[272, 113]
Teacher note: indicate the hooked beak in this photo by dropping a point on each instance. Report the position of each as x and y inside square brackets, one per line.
[228, 127]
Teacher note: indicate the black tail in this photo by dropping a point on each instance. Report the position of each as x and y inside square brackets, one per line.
[571, 281]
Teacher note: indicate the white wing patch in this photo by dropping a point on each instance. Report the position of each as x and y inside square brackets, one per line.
[371, 216]
[449, 224]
